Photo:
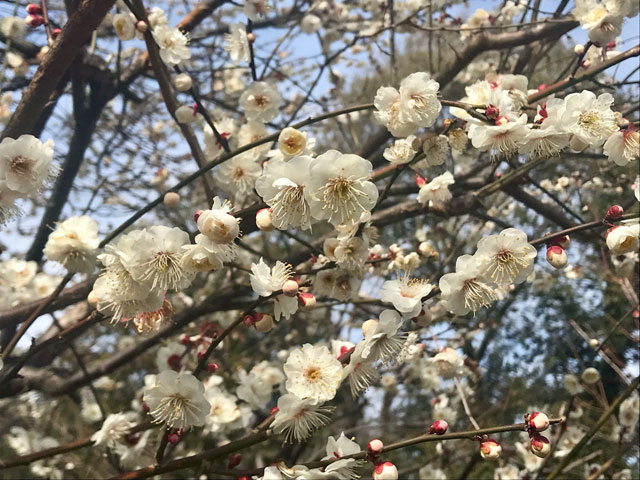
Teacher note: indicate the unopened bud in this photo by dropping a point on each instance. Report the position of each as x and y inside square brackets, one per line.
[492, 112]
[196, 215]
[594, 343]
[171, 199]
[439, 427]
[273, 411]
[55, 32]
[578, 49]
[174, 362]
[557, 257]
[537, 421]
[542, 86]
[264, 220]
[142, 26]
[251, 37]
[615, 212]
[33, 9]
[185, 114]
[368, 325]
[375, 446]
[427, 250]
[201, 354]
[212, 367]
[385, 471]
[611, 44]
[34, 21]
[249, 319]
[490, 449]
[564, 241]
[290, 288]
[92, 298]
[540, 446]
[185, 339]
[173, 438]
[590, 376]
[182, 82]
[420, 181]
[306, 301]
[234, 460]
[264, 323]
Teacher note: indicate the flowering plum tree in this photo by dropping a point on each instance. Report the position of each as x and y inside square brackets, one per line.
[306, 239]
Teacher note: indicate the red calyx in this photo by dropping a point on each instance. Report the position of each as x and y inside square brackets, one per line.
[34, 9]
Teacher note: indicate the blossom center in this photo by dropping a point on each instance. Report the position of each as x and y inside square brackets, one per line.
[21, 165]
[342, 197]
[313, 374]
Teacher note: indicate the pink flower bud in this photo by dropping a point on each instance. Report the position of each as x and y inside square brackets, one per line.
[557, 257]
[264, 221]
[540, 446]
[174, 362]
[542, 87]
[142, 26]
[611, 44]
[490, 449]
[492, 112]
[306, 300]
[55, 32]
[34, 21]
[375, 446]
[273, 411]
[234, 460]
[439, 427]
[196, 215]
[212, 367]
[185, 339]
[563, 241]
[249, 319]
[290, 288]
[614, 212]
[385, 471]
[201, 354]
[420, 181]
[264, 323]
[34, 9]
[538, 421]
[173, 438]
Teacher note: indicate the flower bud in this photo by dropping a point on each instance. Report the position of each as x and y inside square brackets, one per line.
[171, 199]
[201, 354]
[174, 362]
[264, 221]
[614, 212]
[375, 446]
[142, 26]
[212, 367]
[55, 32]
[173, 438]
[234, 460]
[33, 9]
[590, 376]
[439, 427]
[538, 421]
[184, 339]
[185, 114]
[273, 411]
[594, 342]
[306, 301]
[420, 181]
[490, 449]
[218, 226]
[249, 319]
[197, 215]
[291, 142]
[427, 250]
[492, 112]
[34, 21]
[563, 241]
[182, 82]
[385, 471]
[576, 144]
[251, 37]
[264, 323]
[368, 325]
[92, 298]
[578, 49]
[557, 257]
[290, 288]
[540, 446]
[622, 239]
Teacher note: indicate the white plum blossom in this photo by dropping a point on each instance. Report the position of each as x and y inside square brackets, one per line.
[114, 428]
[381, 338]
[448, 363]
[437, 190]
[224, 410]
[602, 25]
[342, 467]
[419, 102]
[436, 149]
[177, 400]
[505, 258]
[339, 189]
[388, 112]
[293, 143]
[502, 139]
[313, 372]
[172, 43]
[406, 294]
[25, 164]
[401, 151]
[623, 239]
[238, 177]
[623, 146]
[465, 290]
[282, 186]
[124, 25]
[256, 9]
[297, 418]
[588, 117]
[310, 23]
[237, 44]
[265, 281]
[260, 102]
[74, 244]
[217, 223]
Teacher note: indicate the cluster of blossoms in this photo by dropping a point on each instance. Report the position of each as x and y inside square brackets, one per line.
[74, 244]
[20, 282]
[140, 266]
[603, 19]
[25, 165]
